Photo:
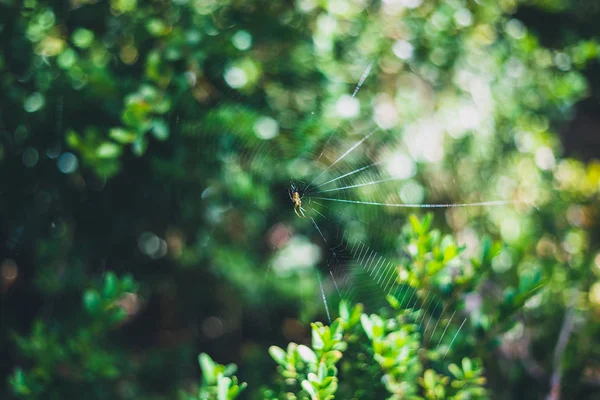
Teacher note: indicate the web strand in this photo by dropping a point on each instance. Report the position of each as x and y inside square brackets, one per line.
[350, 150]
[424, 205]
[454, 338]
[395, 178]
[362, 80]
[323, 297]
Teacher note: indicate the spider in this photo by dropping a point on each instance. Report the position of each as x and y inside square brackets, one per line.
[297, 200]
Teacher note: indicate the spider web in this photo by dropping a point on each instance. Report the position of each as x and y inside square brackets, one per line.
[353, 202]
[357, 186]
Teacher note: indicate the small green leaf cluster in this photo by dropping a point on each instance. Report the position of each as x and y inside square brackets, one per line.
[383, 354]
[392, 349]
[311, 373]
[395, 349]
[103, 303]
[66, 355]
[218, 381]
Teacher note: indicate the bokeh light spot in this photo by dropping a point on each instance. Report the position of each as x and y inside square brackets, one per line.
[242, 40]
[34, 102]
[236, 77]
[347, 107]
[67, 163]
[266, 128]
[30, 157]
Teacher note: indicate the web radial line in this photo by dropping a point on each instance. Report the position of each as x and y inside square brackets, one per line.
[385, 274]
[346, 291]
[394, 178]
[454, 338]
[364, 256]
[396, 290]
[426, 310]
[345, 175]
[356, 250]
[392, 281]
[445, 329]
[437, 321]
[338, 234]
[390, 278]
[350, 292]
[319, 229]
[431, 316]
[375, 267]
[345, 280]
[363, 78]
[323, 297]
[417, 298]
[407, 205]
[354, 294]
[356, 89]
[320, 215]
[350, 150]
[362, 247]
[380, 271]
[369, 261]
[337, 247]
[335, 283]
[411, 296]
[384, 271]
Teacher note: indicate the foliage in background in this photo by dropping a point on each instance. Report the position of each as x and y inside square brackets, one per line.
[128, 131]
[393, 355]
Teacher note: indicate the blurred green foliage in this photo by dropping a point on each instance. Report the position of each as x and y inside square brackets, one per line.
[158, 138]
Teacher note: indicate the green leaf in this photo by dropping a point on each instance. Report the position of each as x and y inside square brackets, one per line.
[317, 340]
[337, 329]
[467, 365]
[108, 150]
[157, 27]
[111, 284]
[122, 136]
[279, 355]
[240, 389]
[18, 383]
[450, 252]
[344, 311]
[332, 357]
[73, 139]
[426, 222]
[208, 368]
[83, 38]
[367, 325]
[393, 301]
[329, 381]
[322, 371]
[456, 371]
[92, 301]
[230, 369]
[307, 355]
[416, 225]
[160, 129]
[139, 146]
[308, 388]
[486, 248]
[223, 384]
[429, 378]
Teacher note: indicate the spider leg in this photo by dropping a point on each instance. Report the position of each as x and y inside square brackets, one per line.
[302, 212]
[296, 211]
